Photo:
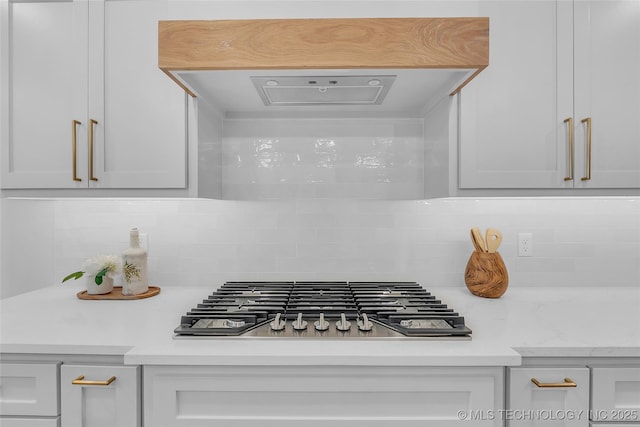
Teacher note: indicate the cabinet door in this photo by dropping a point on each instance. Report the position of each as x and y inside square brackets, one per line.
[140, 134]
[607, 90]
[320, 396]
[546, 405]
[509, 133]
[615, 394]
[44, 56]
[96, 402]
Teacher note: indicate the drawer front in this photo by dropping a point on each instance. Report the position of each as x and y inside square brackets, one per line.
[29, 389]
[615, 394]
[554, 402]
[30, 422]
[321, 396]
[100, 396]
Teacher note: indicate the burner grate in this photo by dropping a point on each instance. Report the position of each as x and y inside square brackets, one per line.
[322, 309]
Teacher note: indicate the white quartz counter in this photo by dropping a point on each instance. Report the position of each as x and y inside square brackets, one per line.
[525, 322]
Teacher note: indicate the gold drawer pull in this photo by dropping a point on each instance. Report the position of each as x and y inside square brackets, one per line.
[81, 381]
[568, 382]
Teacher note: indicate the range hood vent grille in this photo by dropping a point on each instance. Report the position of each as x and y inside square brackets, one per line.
[322, 90]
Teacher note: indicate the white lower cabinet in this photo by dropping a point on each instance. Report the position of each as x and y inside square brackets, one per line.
[100, 396]
[29, 395]
[615, 395]
[547, 396]
[576, 392]
[327, 396]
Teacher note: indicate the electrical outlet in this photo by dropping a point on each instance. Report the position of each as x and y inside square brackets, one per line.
[525, 244]
[144, 242]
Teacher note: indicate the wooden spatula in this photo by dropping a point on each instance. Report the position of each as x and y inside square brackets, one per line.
[493, 237]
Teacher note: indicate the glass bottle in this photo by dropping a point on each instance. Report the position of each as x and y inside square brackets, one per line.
[134, 267]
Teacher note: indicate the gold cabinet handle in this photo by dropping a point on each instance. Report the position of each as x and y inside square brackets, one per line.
[91, 125]
[568, 382]
[587, 177]
[74, 148]
[81, 381]
[570, 121]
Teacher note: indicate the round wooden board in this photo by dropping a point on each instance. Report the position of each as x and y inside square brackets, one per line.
[116, 294]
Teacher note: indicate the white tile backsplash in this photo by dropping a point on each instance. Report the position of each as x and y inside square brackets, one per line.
[27, 246]
[322, 158]
[590, 241]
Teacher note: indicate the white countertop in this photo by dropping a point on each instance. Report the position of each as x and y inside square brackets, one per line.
[525, 322]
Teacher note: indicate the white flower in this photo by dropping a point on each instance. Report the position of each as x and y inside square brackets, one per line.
[95, 265]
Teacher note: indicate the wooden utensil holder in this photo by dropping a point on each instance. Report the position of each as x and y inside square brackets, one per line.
[486, 275]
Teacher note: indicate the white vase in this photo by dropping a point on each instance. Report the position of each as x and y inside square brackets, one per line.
[104, 288]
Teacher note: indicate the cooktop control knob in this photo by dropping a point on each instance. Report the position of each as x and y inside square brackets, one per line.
[278, 324]
[343, 324]
[299, 324]
[365, 324]
[235, 323]
[321, 325]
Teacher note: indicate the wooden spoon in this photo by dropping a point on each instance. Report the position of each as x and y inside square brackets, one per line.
[493, 238]
[475, 232]
[475, 242]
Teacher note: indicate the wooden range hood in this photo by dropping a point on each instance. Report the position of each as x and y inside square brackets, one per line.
[198, 55]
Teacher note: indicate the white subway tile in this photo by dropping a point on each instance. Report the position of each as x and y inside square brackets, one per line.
[198, 242]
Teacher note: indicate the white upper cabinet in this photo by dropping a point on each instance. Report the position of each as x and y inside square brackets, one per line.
[141, 142]
[84, 103]
[508, 134]
[553, 65]
[44, 79]
[607, 91]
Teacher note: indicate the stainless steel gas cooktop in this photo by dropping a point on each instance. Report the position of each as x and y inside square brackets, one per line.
[322, 310]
